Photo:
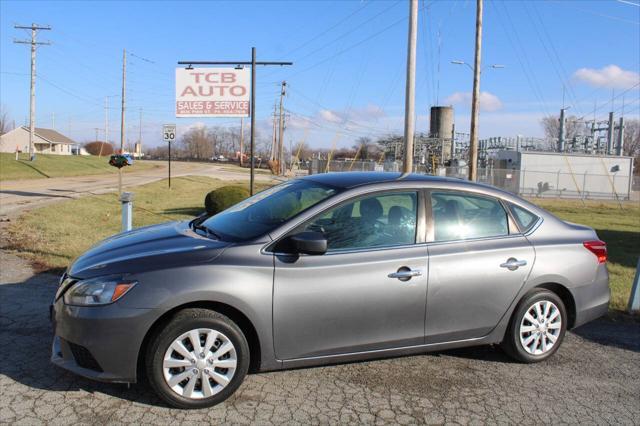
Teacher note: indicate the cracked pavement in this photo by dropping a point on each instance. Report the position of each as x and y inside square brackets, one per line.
[593, 379]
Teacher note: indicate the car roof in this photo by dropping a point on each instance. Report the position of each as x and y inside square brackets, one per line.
[348, 180]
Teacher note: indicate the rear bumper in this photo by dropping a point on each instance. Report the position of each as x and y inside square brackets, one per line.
[100, 343]
[592, 301]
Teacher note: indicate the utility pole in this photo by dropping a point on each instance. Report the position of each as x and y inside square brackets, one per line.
[561, 131]
[96, 129]
[32, 102]
[253, 64]
[241, 139]
[610, 134]
[475, 102]
[124, 90]
[620, 145]
[140, 136]
[274, 139]
[53, 120]
[281, 131]
[410, 93]
[106, 119]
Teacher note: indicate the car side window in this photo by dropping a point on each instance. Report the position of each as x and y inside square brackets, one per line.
[459, 216]
[380, 220]
[523, 217]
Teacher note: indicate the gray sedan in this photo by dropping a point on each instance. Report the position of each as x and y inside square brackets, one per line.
[325, 269]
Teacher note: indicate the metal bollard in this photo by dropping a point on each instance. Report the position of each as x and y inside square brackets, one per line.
[634, 297]
[126, 198]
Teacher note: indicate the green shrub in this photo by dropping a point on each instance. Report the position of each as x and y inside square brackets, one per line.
[223, 198]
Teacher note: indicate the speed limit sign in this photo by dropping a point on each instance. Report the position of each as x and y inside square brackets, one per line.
[169, 132]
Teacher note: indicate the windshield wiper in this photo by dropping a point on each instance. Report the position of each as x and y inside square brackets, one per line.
[208, 231]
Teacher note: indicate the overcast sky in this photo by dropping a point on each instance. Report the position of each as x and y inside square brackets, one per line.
[348, 76]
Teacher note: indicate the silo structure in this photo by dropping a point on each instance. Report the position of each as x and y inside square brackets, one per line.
[441, 126]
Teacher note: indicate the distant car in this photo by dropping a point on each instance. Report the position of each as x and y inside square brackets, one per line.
[324, 269]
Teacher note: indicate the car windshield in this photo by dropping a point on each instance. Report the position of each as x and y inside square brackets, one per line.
[260, 214]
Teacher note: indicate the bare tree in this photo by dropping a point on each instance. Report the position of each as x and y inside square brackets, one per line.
[4, 121]
[302, 151]
[160, 152]
[573, 127]
[99, 148]
[632, 138]
[366, 147]
[198, 144]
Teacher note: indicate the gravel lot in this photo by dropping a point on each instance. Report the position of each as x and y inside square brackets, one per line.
[593, 379]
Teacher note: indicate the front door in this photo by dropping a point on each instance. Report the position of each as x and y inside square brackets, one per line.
[477, 266]
[367, 292]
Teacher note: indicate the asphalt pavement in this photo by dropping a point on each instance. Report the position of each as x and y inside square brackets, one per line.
[593, 379]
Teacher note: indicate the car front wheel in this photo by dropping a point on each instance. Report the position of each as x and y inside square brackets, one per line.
[537, 327]
[198, 359]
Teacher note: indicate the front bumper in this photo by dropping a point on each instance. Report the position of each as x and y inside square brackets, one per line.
[100, 343]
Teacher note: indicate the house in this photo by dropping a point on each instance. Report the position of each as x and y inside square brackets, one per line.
[45, 141]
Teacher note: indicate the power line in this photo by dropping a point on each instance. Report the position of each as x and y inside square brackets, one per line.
[516, 44]
[602, 15]
[294, 90]
[352, 30]
[377, 33]
[337, 24]
[68, 92]
[561, 72]
[612, 99]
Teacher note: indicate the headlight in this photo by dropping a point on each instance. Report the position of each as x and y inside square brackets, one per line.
[97, 291]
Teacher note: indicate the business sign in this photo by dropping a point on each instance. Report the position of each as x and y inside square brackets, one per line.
[169, 132]
[212, 92]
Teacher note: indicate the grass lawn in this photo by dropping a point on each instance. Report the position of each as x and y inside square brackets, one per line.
[49, 165]
[52, 236]
[618, 227]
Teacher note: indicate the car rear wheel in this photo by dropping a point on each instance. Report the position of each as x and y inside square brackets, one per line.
[537, 327]
[198, 359]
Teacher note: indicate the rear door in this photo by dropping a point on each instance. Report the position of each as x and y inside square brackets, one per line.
[478, 262]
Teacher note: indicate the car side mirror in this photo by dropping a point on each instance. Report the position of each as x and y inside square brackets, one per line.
[309, 242]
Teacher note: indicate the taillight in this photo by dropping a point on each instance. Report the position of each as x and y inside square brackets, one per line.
[599, 248]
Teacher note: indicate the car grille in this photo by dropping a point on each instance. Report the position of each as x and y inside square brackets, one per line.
[84, 358]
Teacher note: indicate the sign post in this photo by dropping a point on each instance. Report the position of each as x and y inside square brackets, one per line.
[225, 89]
[169, 135]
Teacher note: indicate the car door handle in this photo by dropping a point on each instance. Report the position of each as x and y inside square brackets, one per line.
[512, 264]
[405, 274]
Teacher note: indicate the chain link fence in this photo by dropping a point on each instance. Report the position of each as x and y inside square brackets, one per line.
[528, 183]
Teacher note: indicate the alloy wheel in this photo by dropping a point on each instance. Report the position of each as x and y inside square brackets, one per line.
[199, 363]
[540, 327]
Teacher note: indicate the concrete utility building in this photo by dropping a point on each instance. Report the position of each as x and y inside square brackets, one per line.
[554, 174]
[45, 141]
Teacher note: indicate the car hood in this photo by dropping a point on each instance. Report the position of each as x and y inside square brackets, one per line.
[150, 248]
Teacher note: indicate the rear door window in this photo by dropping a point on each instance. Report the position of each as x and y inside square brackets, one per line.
[459, 216]
[524, 218]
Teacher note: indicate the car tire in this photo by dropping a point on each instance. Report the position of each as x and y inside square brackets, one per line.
[172, 355]
[537, 327]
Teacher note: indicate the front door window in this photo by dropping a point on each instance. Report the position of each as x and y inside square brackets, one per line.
[380, 220]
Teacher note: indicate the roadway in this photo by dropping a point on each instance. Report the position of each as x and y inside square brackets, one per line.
[16, 196]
